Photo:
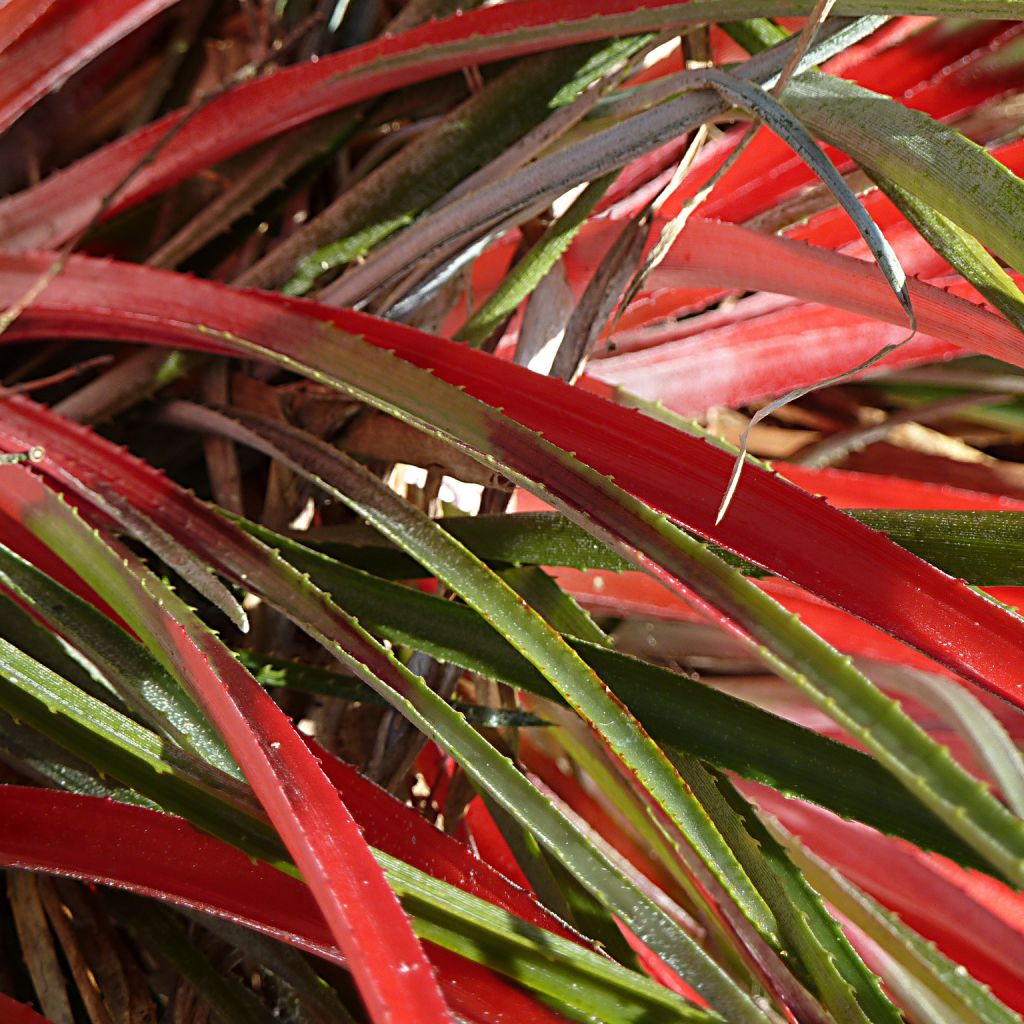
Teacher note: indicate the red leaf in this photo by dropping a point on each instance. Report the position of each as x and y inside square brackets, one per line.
[328, 847]
[56, 209]
[14, 1012]
[936, 73]
[865, 490]
[162, 856]
[63, 37]
[809, 543]
[17, 17]
[760, 358]
[974, 920]
[758, 162]
[718, 255]
[396, 829]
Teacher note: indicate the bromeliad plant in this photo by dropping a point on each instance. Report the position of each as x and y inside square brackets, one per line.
[368, 601]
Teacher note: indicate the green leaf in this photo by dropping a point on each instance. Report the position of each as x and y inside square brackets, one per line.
[946, 171]
[947, 981]
[992, 744]
[556, 607]
[762, 104]
[847, 988]
[143, 683]
[462, 923]
[683, 564]
[37, 757]
[963, 252]
[294, 675]
[118, 747]
[676, 710]
[507, 613]
[528, 272]
[474, 928]
[521, 538]
[423, 173]
[54, 523]
[984, 547]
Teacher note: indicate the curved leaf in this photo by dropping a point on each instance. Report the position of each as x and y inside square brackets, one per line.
[810, 543]
[930, 895]
[675, 559]
[314, 823]
[954, 987]
[138, 676]
[721, 255]
[56, 209]
[456, 885]
[171, 860]
[55, 42]
[679, 713]
[514, 619]
[254, 566]
[936, 163]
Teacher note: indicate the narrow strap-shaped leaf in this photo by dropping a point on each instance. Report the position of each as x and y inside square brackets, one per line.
[295, 675]
[609, 992]
[527, 273]
[170, 860]
[66, 39]
[774, 116]
[173, 861]
[20, 627]
[962, 251]
[947, 980]
[118, 747]
[256, 567]
[314, 823]
[937, 164]
[676, 559]
[36, 755]
[985, 547]
[149, 489]
[848, 989]
[550, 176]
[178, 556]
[135, 673]
[787, 646]
[424, 173]
[809, 540]
[131, 753]
[678, 712]
[64, 203]
[590, 758]
[410, 694]
[556, 607]
[506, 612]
[991, 742]
[517, 538]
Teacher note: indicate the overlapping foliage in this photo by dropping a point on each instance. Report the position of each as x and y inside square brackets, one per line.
[368, 600]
